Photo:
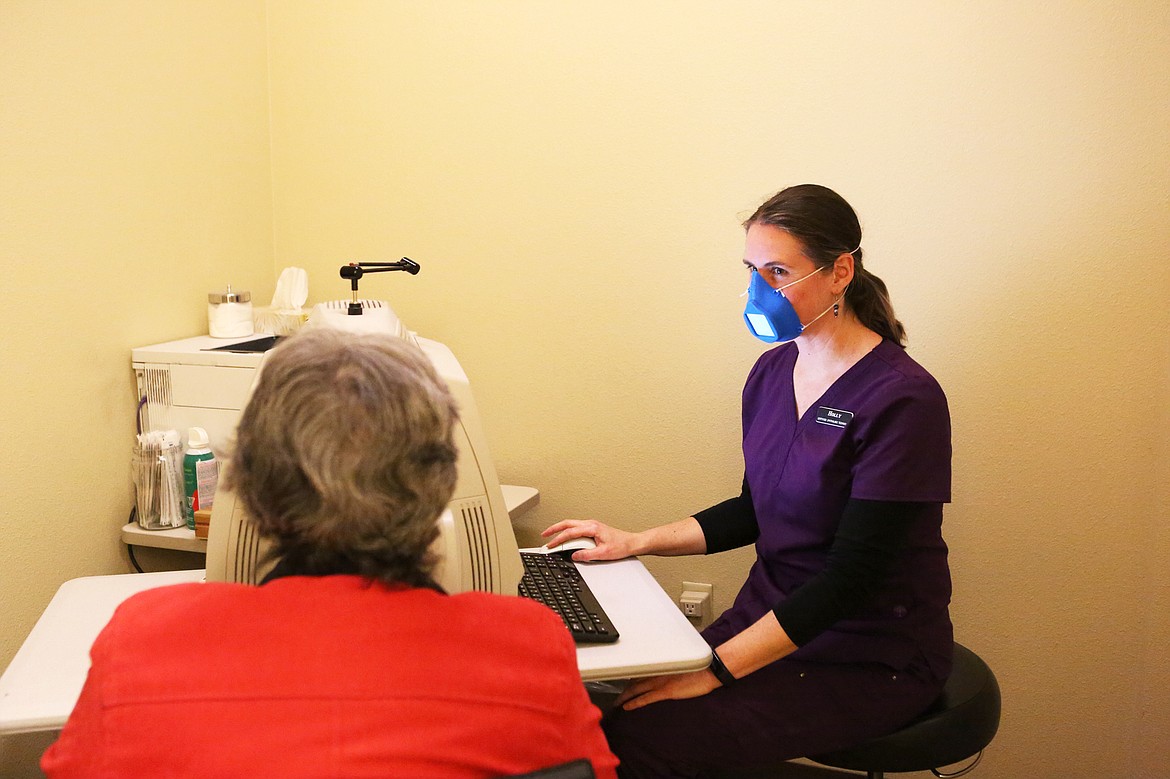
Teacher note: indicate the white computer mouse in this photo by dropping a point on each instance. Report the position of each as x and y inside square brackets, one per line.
[572, 545]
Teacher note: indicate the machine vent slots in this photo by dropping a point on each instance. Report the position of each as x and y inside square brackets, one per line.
[155, 385]
[478, 544]
[247, 570]
[342, 305]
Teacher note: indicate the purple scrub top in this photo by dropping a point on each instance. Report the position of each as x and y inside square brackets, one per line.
[880, 432]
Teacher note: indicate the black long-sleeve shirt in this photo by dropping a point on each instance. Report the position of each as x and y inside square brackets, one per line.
[867, 545]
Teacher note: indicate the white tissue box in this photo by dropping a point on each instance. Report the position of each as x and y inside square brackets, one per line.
[272, 321]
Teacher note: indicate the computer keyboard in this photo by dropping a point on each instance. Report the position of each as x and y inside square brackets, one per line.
[554, 581]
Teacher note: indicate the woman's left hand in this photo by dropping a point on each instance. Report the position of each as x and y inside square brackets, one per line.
[642, 692]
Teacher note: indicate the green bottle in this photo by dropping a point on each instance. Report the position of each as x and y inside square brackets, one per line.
[200, 474]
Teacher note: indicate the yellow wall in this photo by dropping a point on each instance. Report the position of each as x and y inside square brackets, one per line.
[134, 178]
[570, 177]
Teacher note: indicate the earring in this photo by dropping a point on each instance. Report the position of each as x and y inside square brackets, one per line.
[836, 309]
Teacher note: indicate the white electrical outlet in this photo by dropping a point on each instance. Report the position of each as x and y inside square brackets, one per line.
[695, 600]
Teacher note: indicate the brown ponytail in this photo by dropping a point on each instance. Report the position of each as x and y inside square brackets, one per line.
[827, 227]
[869, 300]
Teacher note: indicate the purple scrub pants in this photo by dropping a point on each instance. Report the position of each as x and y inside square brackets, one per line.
[785, 710]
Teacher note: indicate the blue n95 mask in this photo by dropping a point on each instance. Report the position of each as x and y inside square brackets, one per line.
[769, 315]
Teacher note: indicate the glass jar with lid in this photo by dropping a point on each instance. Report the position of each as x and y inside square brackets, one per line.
[229, 313]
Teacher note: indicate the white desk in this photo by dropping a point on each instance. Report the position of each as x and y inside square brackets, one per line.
[41, 685]
[655, 637]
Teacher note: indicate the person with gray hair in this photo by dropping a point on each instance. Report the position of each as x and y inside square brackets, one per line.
[348, 660]
[342, 433]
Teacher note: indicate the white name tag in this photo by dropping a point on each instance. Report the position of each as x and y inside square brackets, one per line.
[833, 417]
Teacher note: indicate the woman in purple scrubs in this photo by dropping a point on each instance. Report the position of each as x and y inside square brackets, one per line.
[841, 631]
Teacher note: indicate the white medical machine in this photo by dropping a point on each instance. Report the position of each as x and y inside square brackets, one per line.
[205, 382]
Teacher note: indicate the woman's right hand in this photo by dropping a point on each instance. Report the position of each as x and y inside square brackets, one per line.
[612, 544]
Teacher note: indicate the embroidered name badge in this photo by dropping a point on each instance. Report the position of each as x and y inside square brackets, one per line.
[833, 417]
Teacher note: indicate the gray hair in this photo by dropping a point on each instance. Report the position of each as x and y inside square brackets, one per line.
[344, 457]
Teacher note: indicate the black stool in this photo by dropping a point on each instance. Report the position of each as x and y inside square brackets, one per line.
[956, 727]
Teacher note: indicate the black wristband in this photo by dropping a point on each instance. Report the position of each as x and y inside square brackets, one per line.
[720, 670]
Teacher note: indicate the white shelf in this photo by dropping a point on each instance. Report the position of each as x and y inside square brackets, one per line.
[516, 498]
[176, 538]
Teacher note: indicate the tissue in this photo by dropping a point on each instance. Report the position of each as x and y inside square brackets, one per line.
[292, 290]
[286, 314]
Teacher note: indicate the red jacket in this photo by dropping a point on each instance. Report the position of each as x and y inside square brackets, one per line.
[328, 677]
